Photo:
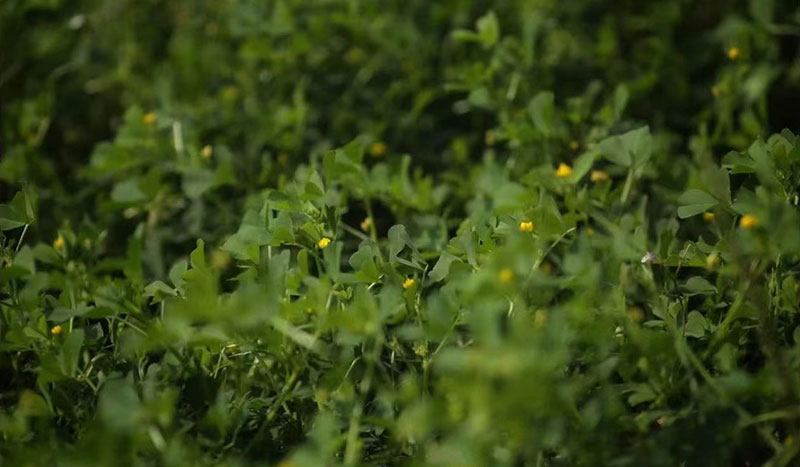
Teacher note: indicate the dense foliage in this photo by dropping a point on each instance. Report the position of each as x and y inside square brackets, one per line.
[454, 232]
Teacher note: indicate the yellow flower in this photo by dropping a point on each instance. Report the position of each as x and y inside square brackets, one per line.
[708, 217]
[574, 145]
[712, 261]
[56, 330]
[230, 93]
[748, 221]
[323, 242]
[408, 283]
[377, 149]
[635, 314]
[598, 176]
[526, 226]
[488, 138]
[149, 118]
[366, 224]
[733, 53]
[58, 244]
[563, 170]
[506, 275]
[207, 151]
[220, 259]
[716, 90]
[354, 55]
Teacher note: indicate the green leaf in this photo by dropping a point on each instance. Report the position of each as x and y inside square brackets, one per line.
[697, 285]
[127, 191]
[694, 202]
[158, 291]
[363, 262]
[488, 29]
[252, 234]
[176, 274]
[718, 183]
[119, 408]
[631, 149]
[442, 267]
[542, 110]
[695, 325]
[18, 213]
[71, 352]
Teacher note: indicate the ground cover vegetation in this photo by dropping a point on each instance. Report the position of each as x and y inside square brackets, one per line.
[455, 232]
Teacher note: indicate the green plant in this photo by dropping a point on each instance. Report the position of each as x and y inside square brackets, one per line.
[447, 233]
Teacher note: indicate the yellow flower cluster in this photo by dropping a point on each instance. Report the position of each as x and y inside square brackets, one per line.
[506, 275]
[366, 224]
[598, 176]
[378, 149]
[563, 170]
[748, 221]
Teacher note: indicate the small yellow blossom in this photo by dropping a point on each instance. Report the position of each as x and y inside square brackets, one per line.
[635, 314]
[712, 261]
[323, 242]
[574, 145]
[748, 221]
[598, 176]
[56, 330]
[716, 91]
[733, 53]
[354, 55]
[377, 149]
[230, 93]
[207, 151]
[149, 118]
[408, 283]
[526, 226]
[563, 170]
[488, 138]
[708, 217]
[220, 259]
[366, 224]
[58, 244]
[506, 275]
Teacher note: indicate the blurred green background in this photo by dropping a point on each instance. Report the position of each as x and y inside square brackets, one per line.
[638, 322]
